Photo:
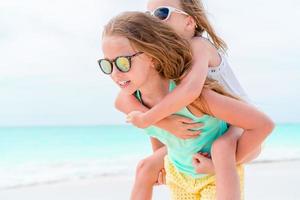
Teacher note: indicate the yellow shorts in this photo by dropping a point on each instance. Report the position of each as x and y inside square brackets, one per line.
[185, 187]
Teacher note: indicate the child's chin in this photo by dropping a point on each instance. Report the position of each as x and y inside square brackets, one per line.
[128, 91]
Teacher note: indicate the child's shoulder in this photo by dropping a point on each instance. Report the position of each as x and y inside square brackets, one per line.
[202, 42]
[204, 46]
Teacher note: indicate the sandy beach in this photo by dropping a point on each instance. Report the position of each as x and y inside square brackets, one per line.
[273, 180]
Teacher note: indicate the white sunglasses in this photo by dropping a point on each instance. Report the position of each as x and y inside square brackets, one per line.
[164, 12]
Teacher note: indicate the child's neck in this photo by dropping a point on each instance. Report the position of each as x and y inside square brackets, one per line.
[154, 90]
[188, 36]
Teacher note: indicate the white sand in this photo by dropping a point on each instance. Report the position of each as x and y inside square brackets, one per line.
[264, 181]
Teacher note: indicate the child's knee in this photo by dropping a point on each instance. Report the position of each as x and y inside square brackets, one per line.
[223, 145]
[146, 171]
[143, 166]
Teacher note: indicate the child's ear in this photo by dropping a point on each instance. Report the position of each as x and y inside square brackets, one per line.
[153, 62]
[190, 23]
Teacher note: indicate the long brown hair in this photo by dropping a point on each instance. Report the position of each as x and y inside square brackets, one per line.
[171, 54]
[196, 10]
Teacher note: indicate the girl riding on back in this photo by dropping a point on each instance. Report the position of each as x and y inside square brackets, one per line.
[146, 55]
[189, 20]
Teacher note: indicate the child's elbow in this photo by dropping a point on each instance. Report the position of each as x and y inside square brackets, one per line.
[271, 125]
[194, 91]
[268, 125]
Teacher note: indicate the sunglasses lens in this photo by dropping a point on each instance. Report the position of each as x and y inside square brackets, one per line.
[123, 64]
[161, 13]
[105, 66]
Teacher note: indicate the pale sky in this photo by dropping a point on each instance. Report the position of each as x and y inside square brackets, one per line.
[48, 52]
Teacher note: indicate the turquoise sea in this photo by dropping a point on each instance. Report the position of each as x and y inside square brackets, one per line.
[40, 155]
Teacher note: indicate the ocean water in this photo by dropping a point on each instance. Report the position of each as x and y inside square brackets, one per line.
[41, 155]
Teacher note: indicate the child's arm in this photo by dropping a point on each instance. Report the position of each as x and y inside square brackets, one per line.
[230, 140]
[181, 127]
[257, 126]
[185, 93]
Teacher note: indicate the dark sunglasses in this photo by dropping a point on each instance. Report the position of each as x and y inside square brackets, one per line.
[123, 63]
[164, 12]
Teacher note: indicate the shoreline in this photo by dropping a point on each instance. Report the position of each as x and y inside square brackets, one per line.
[128, 174]
[263, 180]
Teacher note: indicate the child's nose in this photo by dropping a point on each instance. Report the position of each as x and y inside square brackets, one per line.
[115, 71]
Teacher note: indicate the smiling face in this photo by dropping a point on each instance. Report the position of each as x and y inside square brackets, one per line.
[141, 65]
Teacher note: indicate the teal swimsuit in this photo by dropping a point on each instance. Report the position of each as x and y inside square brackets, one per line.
[180, 152]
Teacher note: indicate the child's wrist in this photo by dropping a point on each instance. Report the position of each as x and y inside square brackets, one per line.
[147, 119]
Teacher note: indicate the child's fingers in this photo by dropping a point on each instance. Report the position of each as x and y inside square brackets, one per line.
[197, 156]
[161, 177]
[195, 162]
[185, 120]
[190, 132]
[201, 155]
[186, 137]
[193, 134]
[164, 178]
[195, 125]
[192, 128]
[185, 134]
[205, 154]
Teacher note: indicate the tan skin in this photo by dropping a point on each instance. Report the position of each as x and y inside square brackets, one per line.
[114, 47]
[192, 84]
[177, 125]
[189, 89]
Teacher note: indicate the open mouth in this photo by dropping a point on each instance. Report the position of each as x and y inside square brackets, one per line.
[123, 84]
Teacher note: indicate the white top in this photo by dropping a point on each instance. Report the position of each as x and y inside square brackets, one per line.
[225, 76]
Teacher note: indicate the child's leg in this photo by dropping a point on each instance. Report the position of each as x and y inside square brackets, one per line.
[223, 155]
[146, 175]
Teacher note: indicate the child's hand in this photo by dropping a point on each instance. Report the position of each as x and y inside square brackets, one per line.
[203, 163]
[161, 179]
[137, 119]
[182, 127]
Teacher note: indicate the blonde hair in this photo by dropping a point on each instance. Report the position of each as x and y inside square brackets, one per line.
[171, 54]
[196, 10]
